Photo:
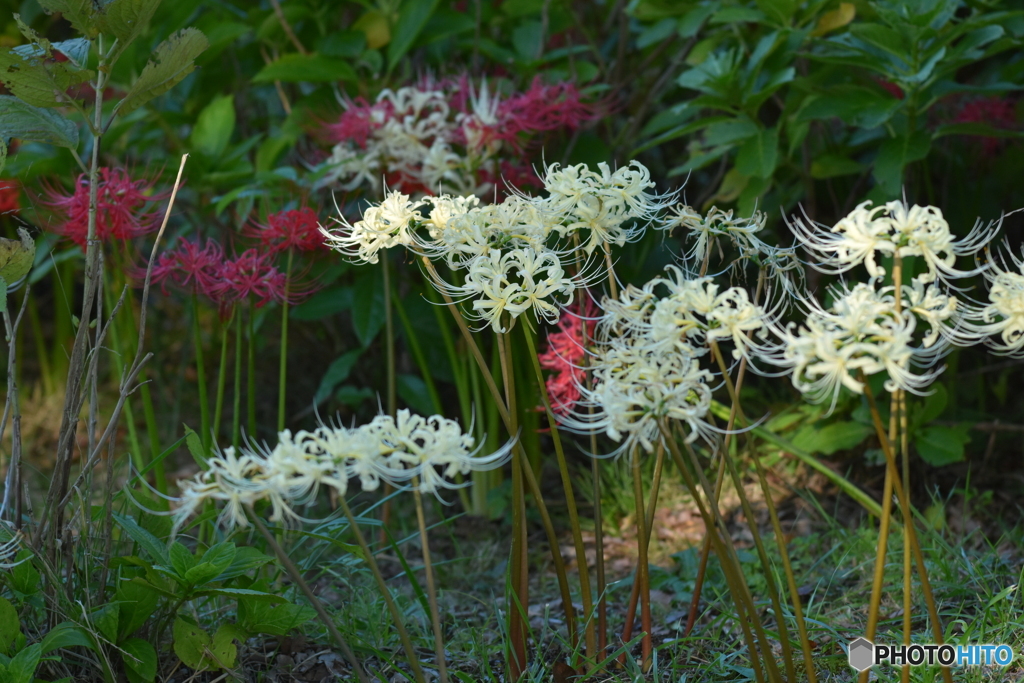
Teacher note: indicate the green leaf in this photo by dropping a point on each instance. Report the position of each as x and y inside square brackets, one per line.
[834, 165]
[67, 634]
[212, 132]
[240, 593]
[181, 559]
[105, 621]
[24, 577]
[16, 258]
[758, 155]
[246, 559]
[312, 68]
[882, 37]
[25, 122]
[413, 390]
[38, 81]
[262, 617]
[200, 574]
[940, 446]
[139, 657]
[136, 601]
[337, 372]
[368, 306]
[22, 668]
[195, 447]
[172, 60]
[220, 555]
[147, 541]
[125, 20]
[893, 156]
[82, 14]
[932, 407]
[780, 11]
[223, 650]
[412, 17]
[975, 128]
[838, 436]
[324, 304]
[191, 644]
[9, 624]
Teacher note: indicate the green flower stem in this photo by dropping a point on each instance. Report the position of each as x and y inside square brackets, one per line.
[904, 501]
[389, 338]
[204, 400]
[878, 579]
[250, 389]
[296, 576]
[282, 372]
[570, 500]
[519, 569]
[602, 599]
[722, 545]
[428, 568]
[642, 565]
[773, 591]
[236, 418]
[634, 595]
[120, 353]
[222, 373]
[396, 616]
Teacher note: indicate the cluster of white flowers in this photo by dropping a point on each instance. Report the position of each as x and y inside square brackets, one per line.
[516, 254]
[649, 348]
[405, 451]
[1003, 315]
[863, 332]
[894, 229]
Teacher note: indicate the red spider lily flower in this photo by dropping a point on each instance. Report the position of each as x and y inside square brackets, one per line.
[543, 108]
[191, 266]
[120, 203]
[358, 122]
[253, 275]
[10, 194]
[564, 357]
[295, 229]
[998, 112]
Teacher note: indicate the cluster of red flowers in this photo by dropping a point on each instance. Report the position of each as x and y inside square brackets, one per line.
[120, 207]
[565, 354]
[10, 196]
[998, 112]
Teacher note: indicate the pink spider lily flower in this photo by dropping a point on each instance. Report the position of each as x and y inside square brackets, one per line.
[190, 266]
[253, 275]
[357, 122]
[297, 229]
[120, 202]
[564, 356]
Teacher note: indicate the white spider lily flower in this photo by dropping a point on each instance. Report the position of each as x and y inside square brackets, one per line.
[383, 226]
[394, 450]
[895, 229]
[705, 230]
[862, 333]
[635, 387]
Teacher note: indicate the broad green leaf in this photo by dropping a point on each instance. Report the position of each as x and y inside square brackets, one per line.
[223, 650]
[136, 601]
[191, 644]
[855, 105]
[337, 372]
[733, 183]
[212, 132]
[200, 574]
[16, 258]
[38, 81]
[692, 21]
[346, 44]
[125, 20]
[412, 17]
[313, 68]
[827, 440]
[105, 621]
[172, 60]
[413, 391]
[893, 156]
[758, 155]
[9, 624]
[24, 577]
[22, 668]
[261, 617]
[246, 559]
[181, 559]
[66, 634]
[940, 446]
[83, 14]
[220, 555]
[368, 305]
[139, 657]
[833, 165]
[780, 11]
[931, 408]
[25, 122]
[147, 541]
[883, 38]
[241, 593]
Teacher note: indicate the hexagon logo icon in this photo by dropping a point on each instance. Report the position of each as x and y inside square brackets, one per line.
[862, 654]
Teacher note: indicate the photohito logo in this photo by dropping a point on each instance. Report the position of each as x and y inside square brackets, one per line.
[864, 654]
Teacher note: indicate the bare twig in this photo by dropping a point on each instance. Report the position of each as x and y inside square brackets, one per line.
[13, 410]
[288, 28]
